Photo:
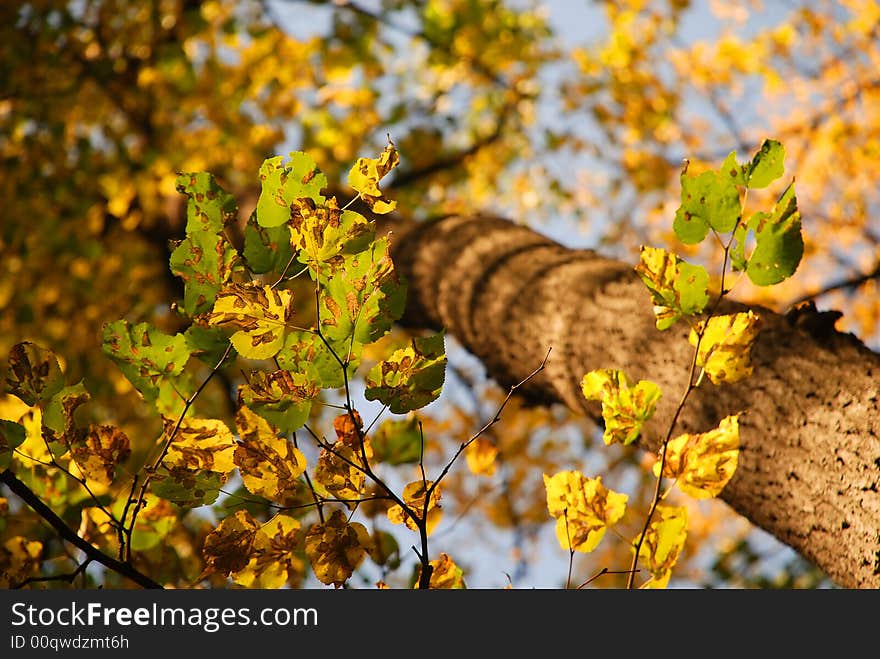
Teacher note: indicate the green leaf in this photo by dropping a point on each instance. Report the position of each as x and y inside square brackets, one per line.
[677, 287]
[730, 167]
[397, 441]
[412, 377]
[205, 259]
[780, 245]
[709, 200]
[266, 249]
[767, 165]
[12, 435]
[737, 252]
[282, 398]
[150, 359]
[207, 343]
[34, 373]
[625, 407]
[363, 298]
[283, 184]
[304, 352]
[185, 487]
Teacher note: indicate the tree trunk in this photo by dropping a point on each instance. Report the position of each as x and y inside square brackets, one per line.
[809, 466]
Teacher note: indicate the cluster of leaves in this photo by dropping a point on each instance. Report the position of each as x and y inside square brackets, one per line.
[305, 510]
[765, 246]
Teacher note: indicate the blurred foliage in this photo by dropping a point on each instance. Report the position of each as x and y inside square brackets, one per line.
[576, 116]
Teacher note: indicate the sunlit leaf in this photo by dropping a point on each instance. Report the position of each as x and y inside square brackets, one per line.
[204, 260]
[339, 473]
[270, 465]
[709, 200]
[663, 544]
[780, 245]
[283, 183]
[229, 547]
[767, 165]
[583, 508]
[275, 559]
[702, 464]
[150, 359]
[365, 175]
[322, 233]
[677, 287]
[266, 249]
[98, 451]
[58, 421]
[445, 574]
[625, 407]
[363, 298]
[412, 377]
[304, 352]
[415, 496]
[281, 397]
[335, 548]
[726, 345]
[259, 315]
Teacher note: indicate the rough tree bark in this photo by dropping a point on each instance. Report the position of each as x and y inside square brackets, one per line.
[809, 468]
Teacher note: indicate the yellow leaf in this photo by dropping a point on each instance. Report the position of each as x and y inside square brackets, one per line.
[274, 561]
[95, 527]
[270, 465]
[583, 508]
[19, 559]
[98, 451]
[702, 464]
[339, 473]
[625, 408]
[201, 445]
[335, 548]
[260, 315]
[663, 544]
[445, 574]
[228, 548]
[366, 173]
[414, 495]
[480, 456]
[726, 346]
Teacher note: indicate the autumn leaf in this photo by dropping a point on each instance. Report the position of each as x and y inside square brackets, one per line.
[411, 378]
[336, 548]
[270, 465]
[677, 287]
[198, 462]
[282, 184]
[625, 407]
[320, 233]
[12, 435]
[58, 421]
[259, 315]
[34, 373]
[663, 544]
[709, 200]
[150, 359]
[275, 559]
[98, 451]
[445, 574]
[281, 397]
[365, 175]
[205, 259]
[229, 547]
[363, 298]
[340, 474]
[726, 345]
[779, 243]
[481, 455]
[702, 464]
[19, 559]
[583, 508]
[415, 495]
